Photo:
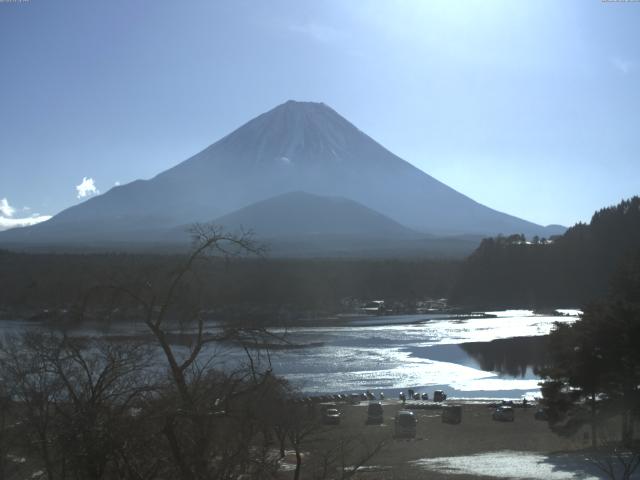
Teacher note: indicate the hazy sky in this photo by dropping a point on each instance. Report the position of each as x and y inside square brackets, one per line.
[532, 108]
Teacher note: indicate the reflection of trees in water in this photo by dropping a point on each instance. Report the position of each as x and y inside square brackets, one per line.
[511, 356]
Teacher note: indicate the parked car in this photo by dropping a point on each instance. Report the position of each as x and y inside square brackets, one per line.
[504, 414]
[331, 416]
[425, 396]
[405, 424]
[452, 414]
[375, 413]
[439, 396]
[354, 399]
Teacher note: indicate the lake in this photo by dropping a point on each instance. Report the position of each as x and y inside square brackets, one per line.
[476, 357]
[437, 353]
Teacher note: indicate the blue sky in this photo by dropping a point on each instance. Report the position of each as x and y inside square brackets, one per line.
[532, 108]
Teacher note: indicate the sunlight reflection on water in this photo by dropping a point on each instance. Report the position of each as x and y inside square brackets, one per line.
[424, 356]
[393, 357]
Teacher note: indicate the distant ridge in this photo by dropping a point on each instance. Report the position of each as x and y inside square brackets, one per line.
[300, 213]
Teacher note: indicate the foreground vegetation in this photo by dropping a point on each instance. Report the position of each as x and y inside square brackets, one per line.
[593, 372]
[95, 409]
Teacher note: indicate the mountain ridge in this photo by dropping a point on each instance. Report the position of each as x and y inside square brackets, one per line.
[295, 214]
[296, 146]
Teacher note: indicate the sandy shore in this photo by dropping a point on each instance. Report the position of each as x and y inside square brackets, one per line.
[478, 447]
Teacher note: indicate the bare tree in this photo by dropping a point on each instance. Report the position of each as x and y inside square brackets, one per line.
[332, 456]
[617, 463]
[170, 408]
[10, 463]
[209, 419]
[345, 457]
[618, 459]
[24, 371]
[73, 399]
[102, 382]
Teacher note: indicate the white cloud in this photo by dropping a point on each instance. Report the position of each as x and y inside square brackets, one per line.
[6, 210]
[622, 65]
[87, 188]
[7, 223]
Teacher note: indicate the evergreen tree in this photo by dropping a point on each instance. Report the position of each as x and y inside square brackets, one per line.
[594, 369]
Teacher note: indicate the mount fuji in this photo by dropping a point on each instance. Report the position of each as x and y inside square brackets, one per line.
[295, 147]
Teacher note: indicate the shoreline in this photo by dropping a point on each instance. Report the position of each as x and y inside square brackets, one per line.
[61, 318]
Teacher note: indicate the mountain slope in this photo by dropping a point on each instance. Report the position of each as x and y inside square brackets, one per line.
[300, 224]
[297, 146]
[299, 214]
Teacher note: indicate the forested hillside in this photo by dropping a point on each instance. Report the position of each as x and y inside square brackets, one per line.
[32, 282]
[568, 270]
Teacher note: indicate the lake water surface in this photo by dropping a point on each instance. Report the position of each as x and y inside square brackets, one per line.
[437, 353]
[465, 357]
